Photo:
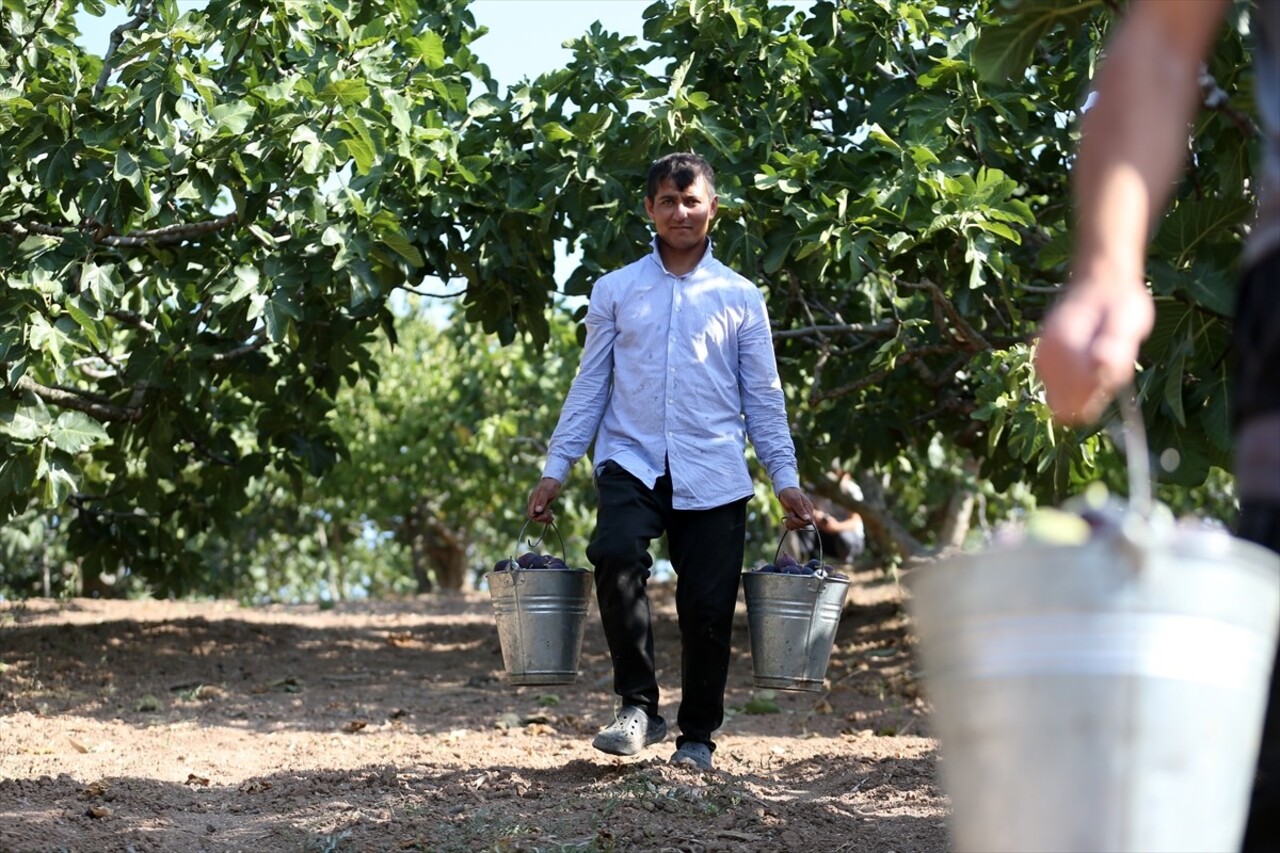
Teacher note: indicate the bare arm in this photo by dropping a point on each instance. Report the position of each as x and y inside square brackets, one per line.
[1133, 146]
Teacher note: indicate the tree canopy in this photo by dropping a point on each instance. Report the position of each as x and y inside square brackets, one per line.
[202, 234]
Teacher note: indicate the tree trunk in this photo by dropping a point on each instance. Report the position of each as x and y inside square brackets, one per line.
[437, 549]
[331, 563]
[413, 531]
[958, 517]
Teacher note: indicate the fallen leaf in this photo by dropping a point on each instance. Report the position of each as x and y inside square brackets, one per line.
[79, 747]
[354, 726]
[761, 704]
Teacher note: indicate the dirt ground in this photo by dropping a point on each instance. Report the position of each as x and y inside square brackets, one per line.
[175, 726]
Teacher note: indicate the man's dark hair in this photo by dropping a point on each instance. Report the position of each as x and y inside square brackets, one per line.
[683, 169]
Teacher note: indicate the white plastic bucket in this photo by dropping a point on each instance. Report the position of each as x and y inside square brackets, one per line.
[1103, 697]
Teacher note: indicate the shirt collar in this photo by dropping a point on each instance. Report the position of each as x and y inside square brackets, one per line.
[703, 261]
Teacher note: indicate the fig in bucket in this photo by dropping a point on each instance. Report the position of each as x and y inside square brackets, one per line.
[531, 560]
[785, 564]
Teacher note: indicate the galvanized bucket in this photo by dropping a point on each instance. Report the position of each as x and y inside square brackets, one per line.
[541, 616]
[1106, 696]
[792, 621]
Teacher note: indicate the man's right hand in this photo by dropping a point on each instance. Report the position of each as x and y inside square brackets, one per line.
[539, 508]
[1088, 345]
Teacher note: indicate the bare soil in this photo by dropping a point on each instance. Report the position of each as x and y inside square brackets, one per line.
[391, 725]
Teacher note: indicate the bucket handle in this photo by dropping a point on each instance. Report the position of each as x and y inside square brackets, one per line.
[515, 576]
[1137, 454]
[1135, 533]
[820, 572]
[534, 543]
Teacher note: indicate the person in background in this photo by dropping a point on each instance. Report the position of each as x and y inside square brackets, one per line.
[838, 531]
[1132, 151]
[677, 373]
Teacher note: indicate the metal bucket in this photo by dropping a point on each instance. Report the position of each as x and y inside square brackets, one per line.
[792, 620]
[1107, 696]
[541, 616]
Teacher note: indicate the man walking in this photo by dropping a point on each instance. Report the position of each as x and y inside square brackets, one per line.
[677, 372]
[1133, 144]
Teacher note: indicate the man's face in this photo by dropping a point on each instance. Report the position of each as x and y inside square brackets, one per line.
[682, 216]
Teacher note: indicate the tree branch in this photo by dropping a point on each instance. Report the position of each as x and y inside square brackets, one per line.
[145, 9]
[129, 318]
[203, 449]
[1217, 100]
[35, 29]
[968, 335]
[872, 378]
[842, 328]
[412, 289]
[252, 346]
[235, 60]
[167, 235]
[80, 401]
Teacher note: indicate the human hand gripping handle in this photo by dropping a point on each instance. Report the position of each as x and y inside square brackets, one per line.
[797, 508]
[1089, 343]
[539, 508]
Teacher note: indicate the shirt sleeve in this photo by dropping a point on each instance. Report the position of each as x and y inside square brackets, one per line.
[763, 403]
[589, 393]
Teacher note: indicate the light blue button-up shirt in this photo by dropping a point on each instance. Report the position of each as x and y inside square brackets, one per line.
[678, 368]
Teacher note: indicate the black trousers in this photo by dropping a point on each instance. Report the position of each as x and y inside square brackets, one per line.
[1257, 354]
[706, 548]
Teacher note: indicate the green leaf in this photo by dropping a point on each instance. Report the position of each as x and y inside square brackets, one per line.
[100, 281]
[361, 151]
[279, 312]
[60, 479]
[429, 47]
[1175, 370]
[22, 422]
[764, 702]
[396, 240]
[1191, 224]
[555, 132]
[346, 93]
[1001, 53]
[232, 119]
[247, 281]
[484, 106]
[76, 432]
[127, 169]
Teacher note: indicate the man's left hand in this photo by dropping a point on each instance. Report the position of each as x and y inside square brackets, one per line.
[797, 508]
